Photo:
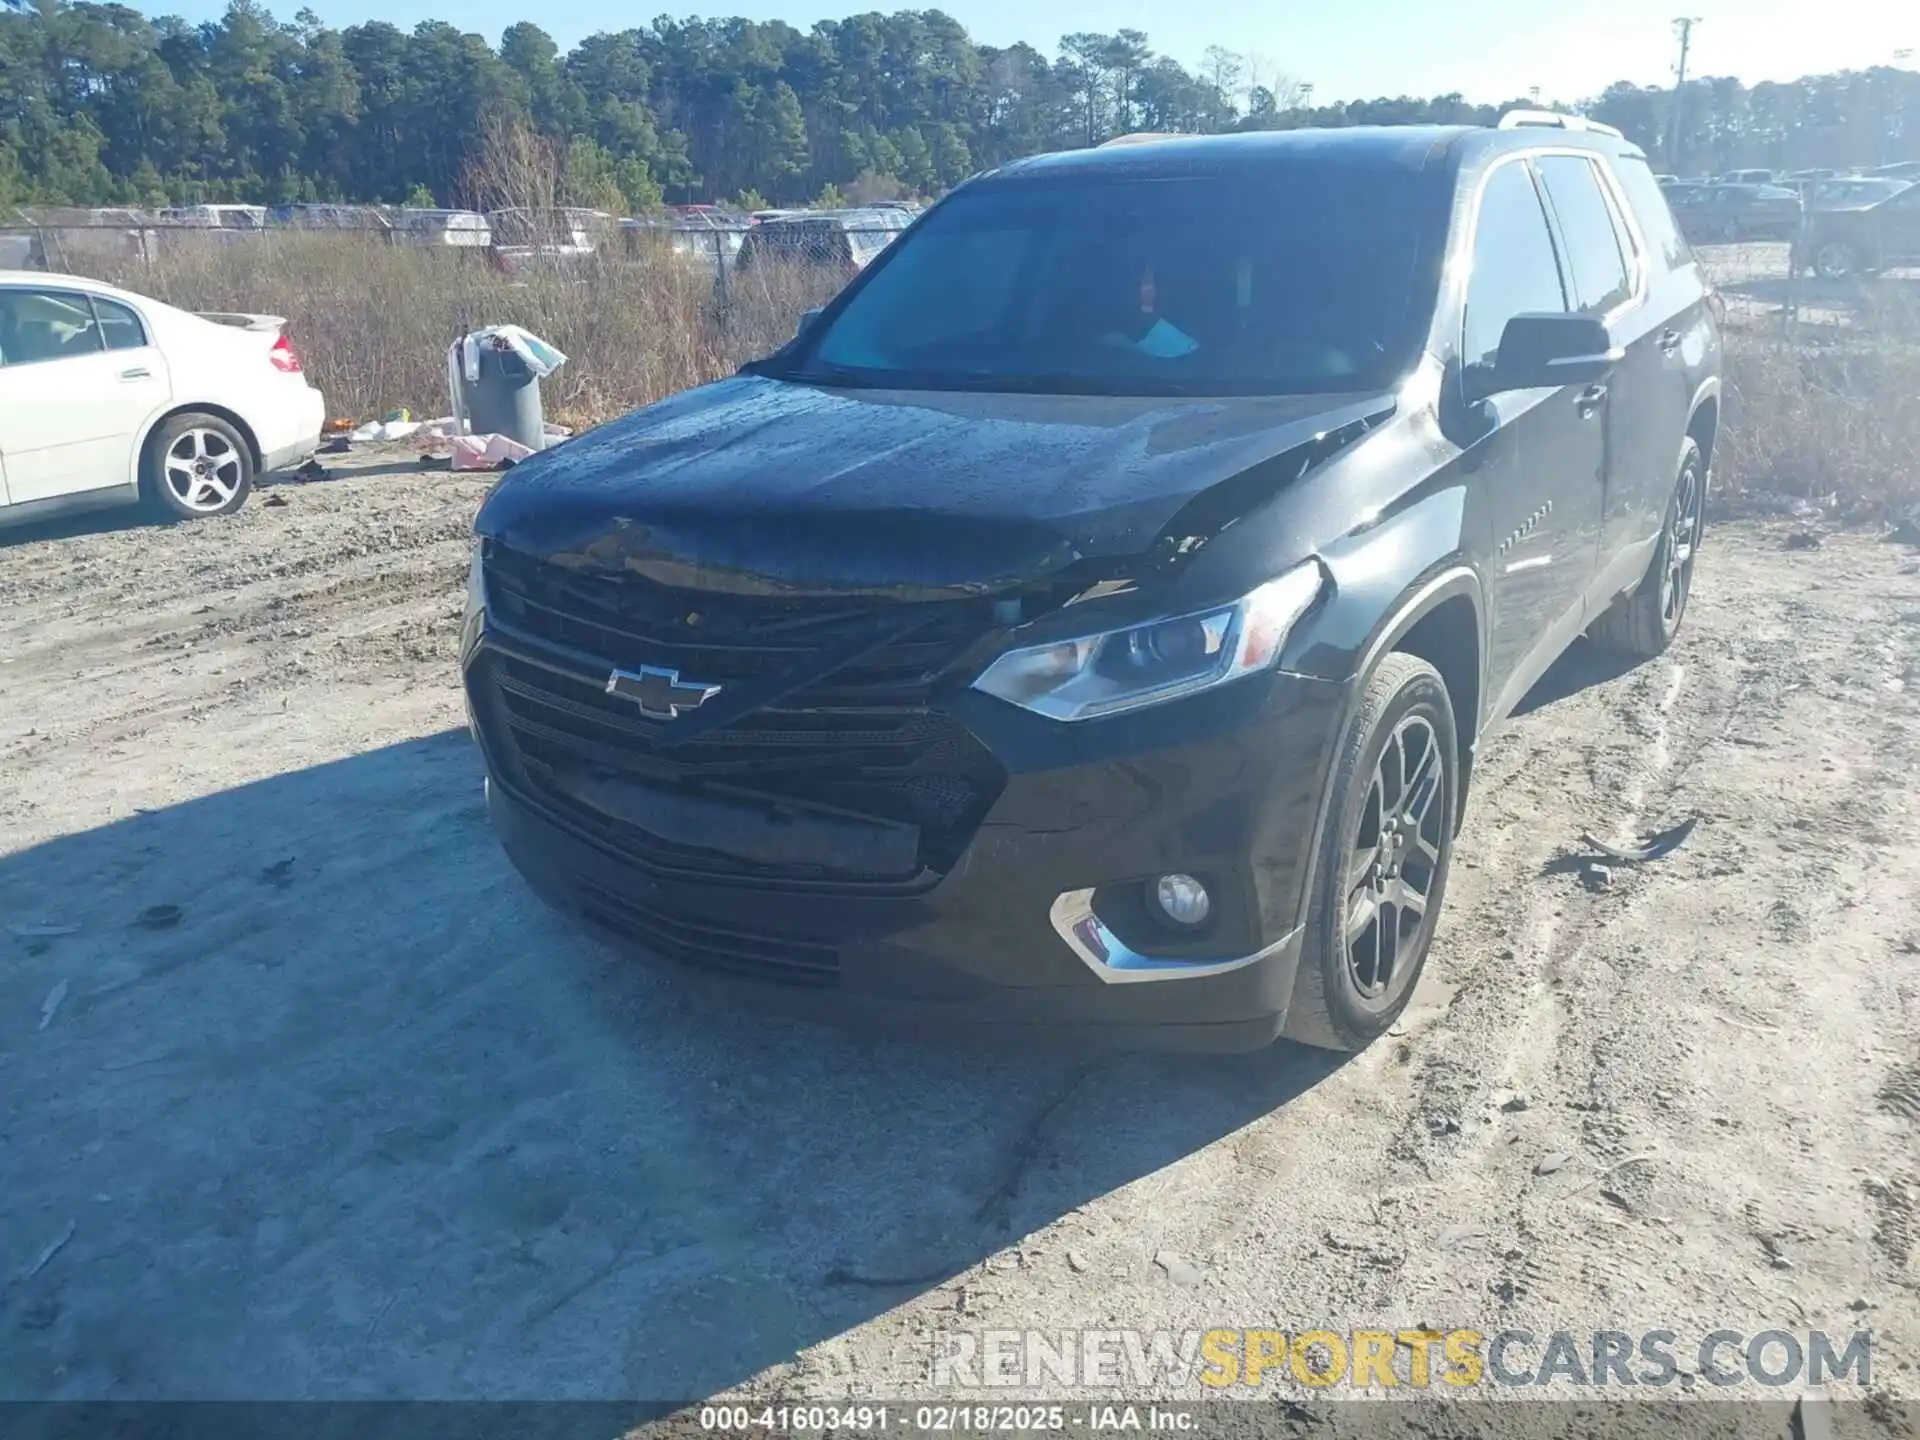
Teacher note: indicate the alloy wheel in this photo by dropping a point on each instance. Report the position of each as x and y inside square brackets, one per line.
[1394, 859]
[1683, 538]
[203, 469]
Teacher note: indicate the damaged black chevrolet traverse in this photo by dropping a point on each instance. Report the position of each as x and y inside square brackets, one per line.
[1088, 622]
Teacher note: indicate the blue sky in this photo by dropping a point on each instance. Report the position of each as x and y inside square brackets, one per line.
[1487, 49]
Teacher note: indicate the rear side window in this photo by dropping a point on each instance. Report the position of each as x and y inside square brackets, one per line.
[1514, 269]
[1651, 209]
[119, 326]
[1599, 270]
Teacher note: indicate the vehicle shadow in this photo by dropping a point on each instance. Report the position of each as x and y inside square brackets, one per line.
[1582, 666]
[361, 1118]
[84, 522]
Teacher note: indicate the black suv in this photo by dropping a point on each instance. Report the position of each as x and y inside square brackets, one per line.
[1089, 621]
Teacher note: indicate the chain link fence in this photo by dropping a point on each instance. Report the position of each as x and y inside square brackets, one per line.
[1822, 411]
[1822, 415]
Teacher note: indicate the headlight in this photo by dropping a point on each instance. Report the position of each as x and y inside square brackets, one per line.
[1162, 660]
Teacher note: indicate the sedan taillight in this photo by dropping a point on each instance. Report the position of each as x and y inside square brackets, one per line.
[284, 357]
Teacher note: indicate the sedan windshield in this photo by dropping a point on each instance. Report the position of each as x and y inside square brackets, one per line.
[1281, 280]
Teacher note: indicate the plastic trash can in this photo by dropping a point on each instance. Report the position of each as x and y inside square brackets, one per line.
[505, 398]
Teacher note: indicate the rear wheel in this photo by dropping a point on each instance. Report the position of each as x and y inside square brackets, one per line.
[1644, 622]
[1383, 860]
[196, 465]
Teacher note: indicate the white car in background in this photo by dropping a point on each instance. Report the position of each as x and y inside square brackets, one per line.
[109, 398]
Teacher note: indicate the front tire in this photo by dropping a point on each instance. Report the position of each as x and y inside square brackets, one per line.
[196, 465]
[1383, 861]
[1837, 260]
[1644, 622]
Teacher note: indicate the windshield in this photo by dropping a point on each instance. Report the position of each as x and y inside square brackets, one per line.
[1286, 279]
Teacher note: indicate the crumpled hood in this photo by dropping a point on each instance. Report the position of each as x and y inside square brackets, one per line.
[760, 485]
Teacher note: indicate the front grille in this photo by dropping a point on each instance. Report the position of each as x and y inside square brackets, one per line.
[856, 746]
[730, 950]
[628, 621]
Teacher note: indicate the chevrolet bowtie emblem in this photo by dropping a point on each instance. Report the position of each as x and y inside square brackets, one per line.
[660, 694]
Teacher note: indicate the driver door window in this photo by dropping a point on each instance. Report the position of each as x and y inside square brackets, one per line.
[1515, 270]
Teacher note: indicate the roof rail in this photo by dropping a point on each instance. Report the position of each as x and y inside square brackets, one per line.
[1515, 119]
[1143, 137]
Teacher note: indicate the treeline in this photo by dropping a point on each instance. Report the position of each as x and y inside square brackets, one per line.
[101, 105]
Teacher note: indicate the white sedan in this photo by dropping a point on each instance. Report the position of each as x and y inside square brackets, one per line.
[109, 398]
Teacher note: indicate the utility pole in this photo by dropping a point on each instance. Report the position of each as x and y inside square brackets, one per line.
[1683, 27]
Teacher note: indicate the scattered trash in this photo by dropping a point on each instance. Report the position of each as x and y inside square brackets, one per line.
[1663, 843]
[313, 470]
[279, 874]
[51, 1004]
[485, 452]
[536, 354]
[1802, 540]
[274, 501]
[1511, 1102]
[1181, 1272]
[160, 917]
[1076, 1262]
[41, 929]
[1552, 1163]
[383, 430]
[1438, 1125]
[436, 462]
[1596, 876]
[46, 1255]
[1780, 1262]
[339, 423]
[339, 445]
[402, 415]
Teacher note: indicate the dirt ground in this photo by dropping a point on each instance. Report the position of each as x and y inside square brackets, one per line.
[363, 1119]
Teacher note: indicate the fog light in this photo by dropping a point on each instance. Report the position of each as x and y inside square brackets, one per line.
[1183, 900]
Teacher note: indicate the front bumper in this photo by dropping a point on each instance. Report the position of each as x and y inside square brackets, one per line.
[1029, 934]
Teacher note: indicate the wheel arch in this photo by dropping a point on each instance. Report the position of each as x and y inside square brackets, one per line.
[1441, 620]
[1703, 419]
[174, 412]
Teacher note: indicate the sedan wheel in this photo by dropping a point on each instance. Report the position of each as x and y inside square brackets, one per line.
[204, 471]
[196, 465]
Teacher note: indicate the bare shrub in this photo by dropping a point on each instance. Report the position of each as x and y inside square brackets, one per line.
[373, 319]
[1838, 426]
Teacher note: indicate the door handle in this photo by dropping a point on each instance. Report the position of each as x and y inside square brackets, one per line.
[1587, 402]
[138, 372]
[1669, 341]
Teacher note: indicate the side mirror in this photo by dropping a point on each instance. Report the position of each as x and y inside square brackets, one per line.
[807, 319]
[1537, 351]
